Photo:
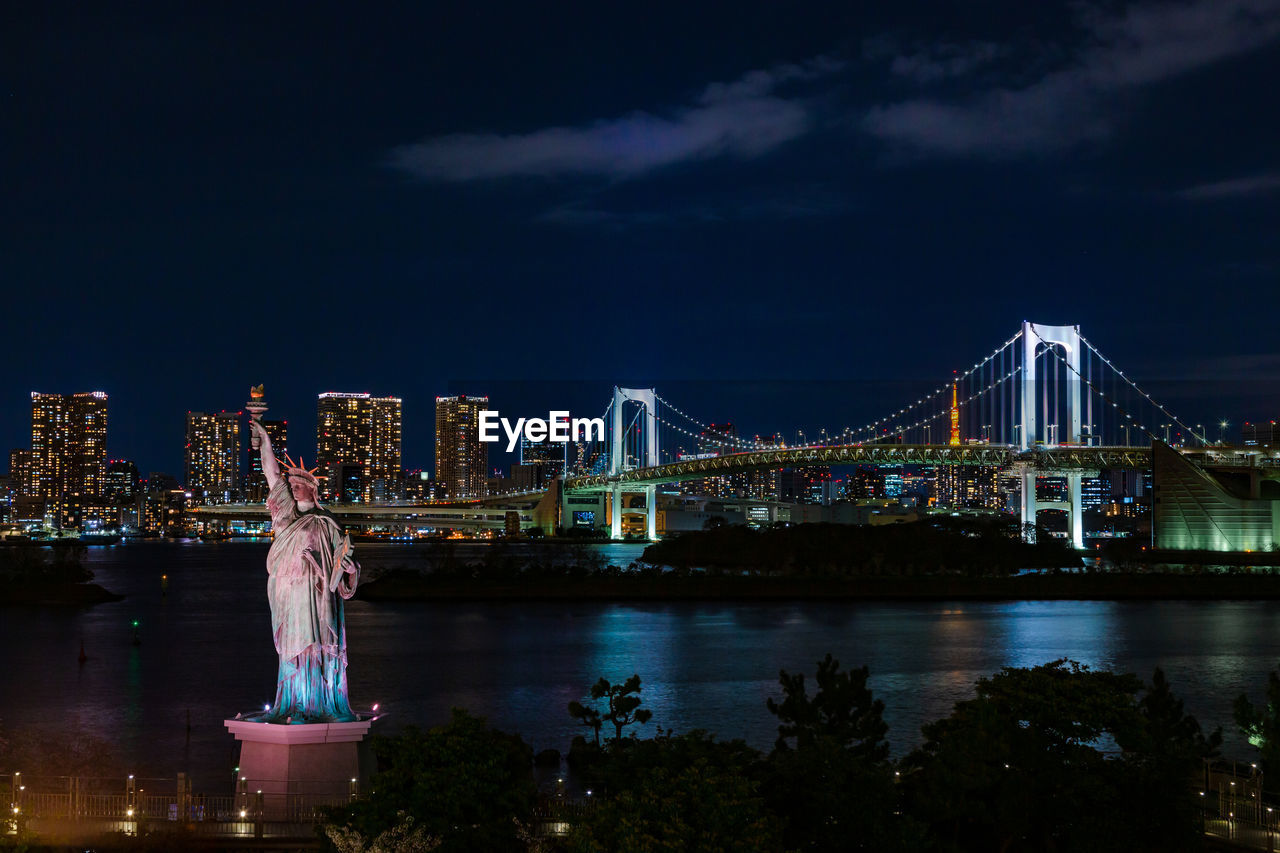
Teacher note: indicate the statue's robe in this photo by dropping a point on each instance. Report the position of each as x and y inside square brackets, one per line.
[309, 574]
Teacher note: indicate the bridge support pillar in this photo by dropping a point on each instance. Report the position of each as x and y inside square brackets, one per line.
[1075, 518]
[615, 512]
[1028, 503]
[651, 512]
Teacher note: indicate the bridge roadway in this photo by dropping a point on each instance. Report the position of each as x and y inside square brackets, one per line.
[539, 506]
[1061, 458]
[1044, 460]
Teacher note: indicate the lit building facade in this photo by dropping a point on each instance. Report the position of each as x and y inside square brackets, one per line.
[68, 453]
[358, 446]
[1264, 434]
[462, 459]
[213, 457]
[121, 481]
[255, 482]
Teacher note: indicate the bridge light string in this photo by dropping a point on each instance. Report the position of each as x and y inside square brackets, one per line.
[1114, 405]
[847, 431]
[871, 427]
[728, 439]
[704, 438]
[901, 430]
[1135, 387]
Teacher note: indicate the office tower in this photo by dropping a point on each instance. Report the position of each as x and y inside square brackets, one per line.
[1094, 492]
[720, 440]
[213, 457]
[68, 453]
[762, 483]
[121, 481]
[358, 441]
[1262, 434]
[462, 460]
[255, 482]
[540, 463]
[19, 471]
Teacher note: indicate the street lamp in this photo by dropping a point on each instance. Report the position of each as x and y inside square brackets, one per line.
[1222, 429]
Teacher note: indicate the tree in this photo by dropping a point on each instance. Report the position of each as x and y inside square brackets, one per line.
[1162, 758]
[834, 785]
[462, 783]
[622, 705]
[696, 808]
[589, 717]
[1261, 725]
[1018, 766]
[842, 712]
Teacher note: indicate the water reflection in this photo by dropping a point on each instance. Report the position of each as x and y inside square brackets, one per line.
[206, 646]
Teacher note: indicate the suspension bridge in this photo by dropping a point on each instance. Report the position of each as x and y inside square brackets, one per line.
[1045, 403]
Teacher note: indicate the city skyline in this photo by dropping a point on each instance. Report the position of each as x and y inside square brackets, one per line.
[408, 202]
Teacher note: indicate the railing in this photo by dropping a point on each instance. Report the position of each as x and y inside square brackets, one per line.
[73, 806]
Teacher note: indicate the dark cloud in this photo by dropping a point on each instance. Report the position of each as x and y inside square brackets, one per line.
[1251, 185]
[811, 202]
[742, 119]
[1069, 105]
[944, 61]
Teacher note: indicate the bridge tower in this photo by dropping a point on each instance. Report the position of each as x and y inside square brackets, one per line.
[648, 399]
[1067, 337]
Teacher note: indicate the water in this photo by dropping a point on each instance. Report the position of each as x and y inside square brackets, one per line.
[206, 648]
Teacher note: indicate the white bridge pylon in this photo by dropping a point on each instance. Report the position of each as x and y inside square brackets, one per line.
[1067, 337]
[648, 399]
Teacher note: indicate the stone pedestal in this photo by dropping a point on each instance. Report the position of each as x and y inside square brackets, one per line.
[315, 760]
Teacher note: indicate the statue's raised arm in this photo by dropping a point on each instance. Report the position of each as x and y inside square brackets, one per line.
[270, 467]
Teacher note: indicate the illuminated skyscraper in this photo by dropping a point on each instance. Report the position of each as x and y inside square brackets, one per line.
[213, 457]
[358, 430]
[540, 463]
[121, 481]
[255, 482]
[19, 471]
[68, 453]
[720, 440]
[462, 459]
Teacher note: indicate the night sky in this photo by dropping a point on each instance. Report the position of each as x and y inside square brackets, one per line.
[442, 198]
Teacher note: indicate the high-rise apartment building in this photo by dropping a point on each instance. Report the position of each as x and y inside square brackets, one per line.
[213, 457]
[358, 430]
[121, 481]
[19, 471]
[719, 440]
[68, 453]
[255, 482]
[462, 459]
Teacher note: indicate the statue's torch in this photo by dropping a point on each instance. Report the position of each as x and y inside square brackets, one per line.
[256, 407]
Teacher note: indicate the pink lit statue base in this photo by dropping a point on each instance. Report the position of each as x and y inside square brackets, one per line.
[317, 760]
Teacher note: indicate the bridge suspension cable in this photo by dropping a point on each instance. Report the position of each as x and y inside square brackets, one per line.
[1053, 351]
[874, 425]
[729, 440]
[900, 430]
[1135, 387]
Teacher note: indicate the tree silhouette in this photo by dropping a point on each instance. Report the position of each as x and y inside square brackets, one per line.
[623, 707]
[842, 713]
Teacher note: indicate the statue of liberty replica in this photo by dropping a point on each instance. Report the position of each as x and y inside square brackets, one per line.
[310, 573]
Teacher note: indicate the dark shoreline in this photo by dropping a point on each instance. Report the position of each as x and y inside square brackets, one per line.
[70, 593]
[399, 587]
